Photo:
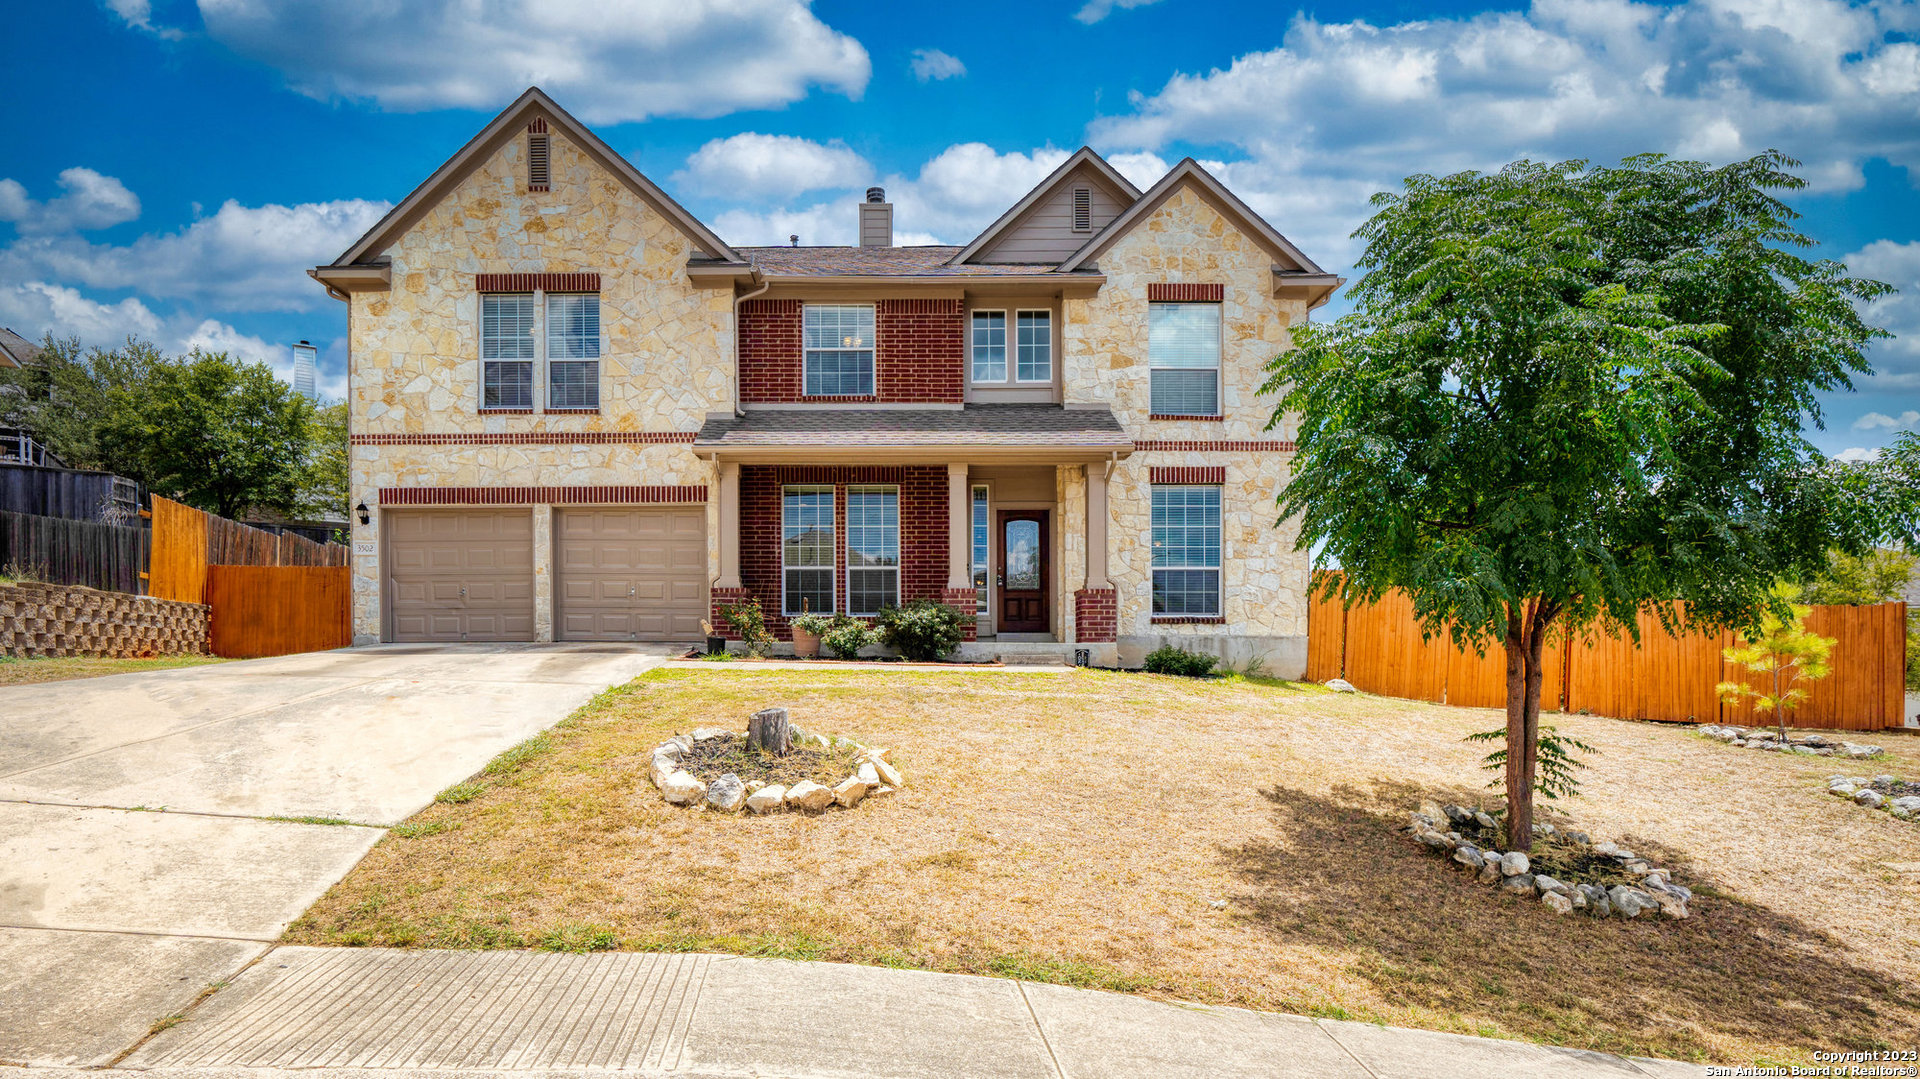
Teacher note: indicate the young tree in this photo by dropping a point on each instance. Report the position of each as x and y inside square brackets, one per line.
[1568, 394]
[1779, 649]
[1876, 577]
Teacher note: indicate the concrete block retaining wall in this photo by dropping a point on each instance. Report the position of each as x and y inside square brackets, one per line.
[41, 620]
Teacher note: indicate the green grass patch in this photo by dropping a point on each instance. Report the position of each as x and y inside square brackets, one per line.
[1052, 970]
[459, 794]
[420, 829]
[521, 755]
[579, 939]
[334, 821]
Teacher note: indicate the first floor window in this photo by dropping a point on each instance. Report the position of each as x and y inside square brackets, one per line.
[837, 347]
[506, 350]
[1186, 549]
[1183, 358]
[806, 549]
[573, 351]
[873, 549]
[1035, 360]
[980, 540]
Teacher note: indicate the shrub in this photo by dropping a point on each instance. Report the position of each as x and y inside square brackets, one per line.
[1167, 659]
[816, 624]
[924, 629]
[845, 636]
[750, 622]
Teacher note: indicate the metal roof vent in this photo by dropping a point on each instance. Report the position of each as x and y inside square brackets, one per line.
[876, 194]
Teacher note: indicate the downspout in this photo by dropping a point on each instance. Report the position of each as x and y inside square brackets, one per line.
[737, 301]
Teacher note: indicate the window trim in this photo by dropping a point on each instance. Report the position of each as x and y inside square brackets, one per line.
[532, 362]
[1006, 353]
[1218, 569]
[833, 544]
[873, 351]
[1013, 360]
[846, 543]
[1218, 368]
[547, 361]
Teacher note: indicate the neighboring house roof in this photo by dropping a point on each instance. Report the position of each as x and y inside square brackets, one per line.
[1189, 172]
[1024, 428]
[933, 261]
[1081, 157]
[510, 123]
[15, 350]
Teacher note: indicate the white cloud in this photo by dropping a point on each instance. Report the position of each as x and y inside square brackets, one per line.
[1896, 362]
[250, 258]
[1874, 421]
[139, 15]
[1854, 455]
[1142, 169]
[35, 308]
[92, 201]
[931, 65]
[1095, 10]
[1357, 107]
[751, 165]
[606, 60]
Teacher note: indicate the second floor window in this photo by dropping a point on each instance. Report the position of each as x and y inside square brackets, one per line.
[506, 350]
[837, 347]
[1035, 360]
[573, 351]
[1183, 358]
[989, 346]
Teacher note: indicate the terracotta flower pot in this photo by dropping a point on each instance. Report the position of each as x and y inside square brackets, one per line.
[805, 645]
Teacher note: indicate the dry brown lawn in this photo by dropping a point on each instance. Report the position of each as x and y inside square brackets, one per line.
[1078, 827]
[20, 672]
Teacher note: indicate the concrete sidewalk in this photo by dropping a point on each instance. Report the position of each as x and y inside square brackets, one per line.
[388, 1012]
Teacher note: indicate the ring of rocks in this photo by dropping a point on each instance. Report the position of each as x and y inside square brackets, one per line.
[873, 775]
[1898, 797]
[1767, 738]
[1512, 871]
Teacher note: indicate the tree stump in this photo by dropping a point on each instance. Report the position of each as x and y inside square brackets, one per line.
[769, 730]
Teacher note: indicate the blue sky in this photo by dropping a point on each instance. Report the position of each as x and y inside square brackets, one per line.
[174, 166]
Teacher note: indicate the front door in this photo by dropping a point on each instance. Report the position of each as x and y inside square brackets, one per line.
[1023, 572]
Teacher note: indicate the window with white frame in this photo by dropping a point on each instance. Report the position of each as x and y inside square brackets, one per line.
[1183, 358]
[573, 350]
[989, 346]
[1034, 342]
[806, 549]
[837, 347]
[981, 539]
[873, 549]
[506, 350]
[1186, 549]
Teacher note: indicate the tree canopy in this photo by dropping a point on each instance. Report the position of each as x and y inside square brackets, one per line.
[1570, 393]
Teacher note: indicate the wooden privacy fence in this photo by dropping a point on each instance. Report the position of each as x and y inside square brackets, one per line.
[278, 610]
[1380, 649]
[186, 542]
[62, 551]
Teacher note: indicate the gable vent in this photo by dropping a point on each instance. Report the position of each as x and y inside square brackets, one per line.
[1083, 209]
[538, 156]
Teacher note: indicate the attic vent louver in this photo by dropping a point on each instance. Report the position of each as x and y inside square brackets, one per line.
[1083, 209]
[538, 155]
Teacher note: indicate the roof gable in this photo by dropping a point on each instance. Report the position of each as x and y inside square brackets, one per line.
[1189, 173]
[1083, 164]
[532, 105]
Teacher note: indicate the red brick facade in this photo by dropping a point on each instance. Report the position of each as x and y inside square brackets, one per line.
[1190, 474]
[919, 353]
[1096, 615]
[923, 529]
[1170, 292]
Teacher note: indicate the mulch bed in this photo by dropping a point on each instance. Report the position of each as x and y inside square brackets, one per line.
[710, 759]
[1556, 855]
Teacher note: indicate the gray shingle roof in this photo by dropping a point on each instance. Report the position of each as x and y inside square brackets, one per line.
[879, 262]
[15, 350]
[974, 425]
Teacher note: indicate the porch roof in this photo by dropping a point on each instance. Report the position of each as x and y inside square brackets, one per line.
[1039, 433]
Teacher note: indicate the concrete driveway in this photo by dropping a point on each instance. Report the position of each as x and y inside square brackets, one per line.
[138, 860]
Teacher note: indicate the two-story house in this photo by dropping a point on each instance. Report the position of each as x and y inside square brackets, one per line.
[579, 414]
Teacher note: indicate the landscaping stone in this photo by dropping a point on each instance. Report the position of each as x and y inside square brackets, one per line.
[682, 789]
[849, 791]
[726, 794]
[1458, 814]
[889, 775]
[1434, 840]
[767, 799]
[1469, 857]
[1851, 751]
[704, 734]
[1767, 738]
[1521, 884]
[807, 794]
[1482, 820]
[868, 775]
[1870, 798]
[1557, 903]
[1629, 902]
[1514, 864]
[1490, 872]
[1340, 685]
[1545, 884]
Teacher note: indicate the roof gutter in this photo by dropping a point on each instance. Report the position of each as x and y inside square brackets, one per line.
[738, 299]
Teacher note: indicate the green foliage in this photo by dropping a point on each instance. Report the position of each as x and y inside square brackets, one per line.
[846, 636]
[1567, 393]
[815, 623]
[924, 629]
[1879, 576]
[520, 756]
[460, 793]
[1558, 762]
[324, 494]
[1784, 653]
[579, 938]
[1167, 659]
[750, 622]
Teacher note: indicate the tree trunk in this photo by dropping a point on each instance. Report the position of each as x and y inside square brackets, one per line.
[1526, 649]
[769, 730]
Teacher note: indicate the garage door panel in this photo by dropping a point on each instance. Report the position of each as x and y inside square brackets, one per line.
[461, 575]
[631, 574]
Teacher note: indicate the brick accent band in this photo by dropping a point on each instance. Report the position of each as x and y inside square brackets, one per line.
[1214, 474]
[1096, 615]
[528, 438]
[537, 126]
[1150, 445]
[518, 496]
[1169, 292]
[529, 282]
[1196, 419]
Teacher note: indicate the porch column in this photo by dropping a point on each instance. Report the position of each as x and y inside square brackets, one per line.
[1097, 526]
[729, 526]
[959, 531]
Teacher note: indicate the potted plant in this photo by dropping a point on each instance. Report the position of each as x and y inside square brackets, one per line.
[716, 644]
[807, 629]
